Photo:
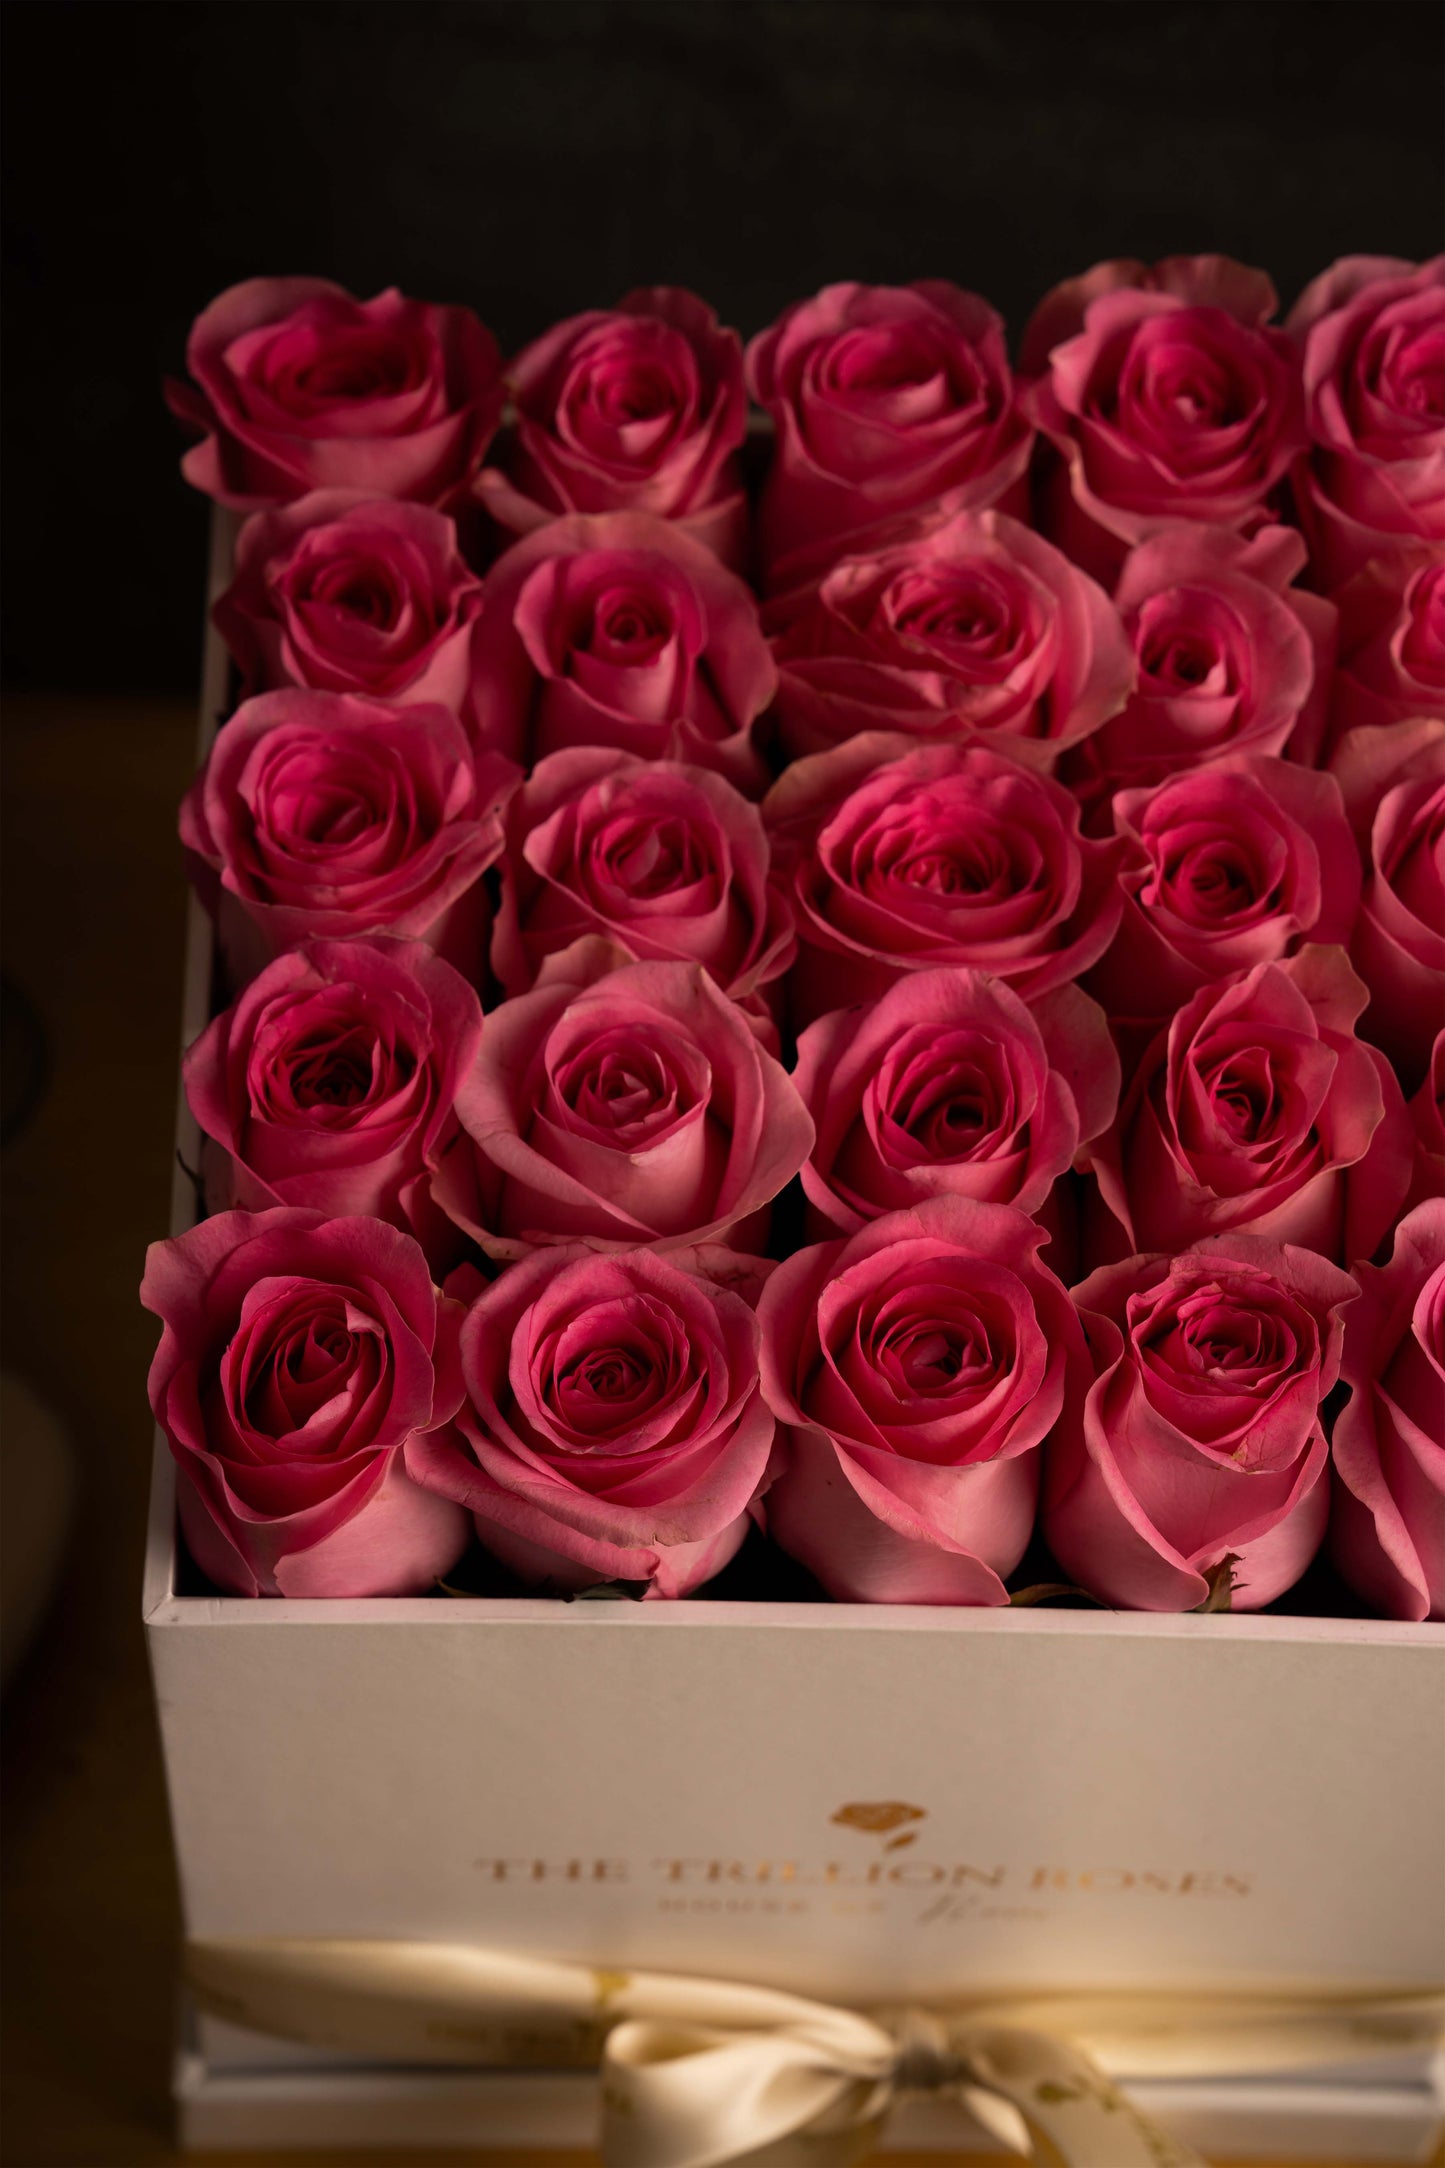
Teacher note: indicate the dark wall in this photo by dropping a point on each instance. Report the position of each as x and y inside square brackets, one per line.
[534, 159]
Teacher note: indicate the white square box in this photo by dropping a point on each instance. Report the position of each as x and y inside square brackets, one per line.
[1227, 1804]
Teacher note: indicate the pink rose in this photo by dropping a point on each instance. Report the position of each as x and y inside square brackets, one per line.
[899, 861]
[613, 1428]
[1230, 658]
[299, 386]
[330, 1083]
[914, 1370]
[666, 861]
[1228, 865]
[971, 627]
[319, 813]
[1201, 281]
[1171, 401]
[639, 408]
[1388, 1530]
[1259, 1110]
[884, 400]
[1371, 331]
[1199, 1440]
[628, 1106]
[1392, 643]
[301, 1361]
[622, 631]
[1427, 1112]
[352, 594]
[949, 1085]
[1393, 781]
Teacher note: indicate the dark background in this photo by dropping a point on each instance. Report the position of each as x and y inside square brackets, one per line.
[535, 159]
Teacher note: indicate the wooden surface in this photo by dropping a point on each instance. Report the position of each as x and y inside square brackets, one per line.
[92, 936]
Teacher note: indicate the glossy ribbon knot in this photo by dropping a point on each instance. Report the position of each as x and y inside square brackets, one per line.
[699, 2073]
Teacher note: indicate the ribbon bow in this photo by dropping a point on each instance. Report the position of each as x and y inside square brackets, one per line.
[698, 2073]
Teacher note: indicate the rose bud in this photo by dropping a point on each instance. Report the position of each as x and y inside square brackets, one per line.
[1371, 331]
[1230, 658]
[950, 1086]
[622, 631]
[1392, 643]
[352, 594]
[299, 386]
[884, 400]
[1198, 1447]
[1393, 780]
[627, 1106]
[1427, 1113]
[1258, 1109]
[1229, 865]
[667, 862]
[301, 1361]
[330, 1083]
[612, 1428]
[971, 627]
[1387, 1532]
[320, 813]
[914, 1370]
[898, 861]
[639, 408]
[1171, 400]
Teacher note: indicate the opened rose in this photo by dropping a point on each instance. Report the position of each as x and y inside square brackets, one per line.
[915, 1369]
[330, 1083]
[613, 1428]
[1392, 642]
[301, 1359]
[896, 861]
[353, 594]
[299, 386]
[1388, 1531]
[634, 409]
[1393, 781]
[884, 400]
[970, 627]
[1195, 1465]
[666, 861]
[622, 631]
[621, 1106]
[322, 814]
[950, 1084]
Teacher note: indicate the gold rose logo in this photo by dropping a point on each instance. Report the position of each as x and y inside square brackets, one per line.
[880, 1818]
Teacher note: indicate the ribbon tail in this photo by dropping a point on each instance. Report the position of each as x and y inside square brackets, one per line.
[1064, 2096]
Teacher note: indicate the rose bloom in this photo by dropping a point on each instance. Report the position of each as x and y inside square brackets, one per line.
[622, 631]
[1393, 780]
[914, 1369]
[1258, 1110]
[612, 1427]
[352, 594]
[322, 814]
[950, 1085]
[298, 386]
[330, 1083]
[971, 627]
[884, 400]
[301, 1361]
[626, 1106]
[667, 862]
[1228, 865]
[1392, 643]
[1371, 331]
[1230, 657]
[1199, 1441]
[639, 408]
[1387, 1534]
[1427, 1112]
[897, 860]
[1170, 400]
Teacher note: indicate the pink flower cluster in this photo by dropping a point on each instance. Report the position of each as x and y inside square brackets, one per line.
[1021, 820]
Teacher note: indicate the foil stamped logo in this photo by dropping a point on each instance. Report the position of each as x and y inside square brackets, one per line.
[885, 1818]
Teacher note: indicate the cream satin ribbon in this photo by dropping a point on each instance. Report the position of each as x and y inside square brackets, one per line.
[697, 2073]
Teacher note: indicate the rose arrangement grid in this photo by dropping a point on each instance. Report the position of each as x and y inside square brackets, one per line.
[936, 1054]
